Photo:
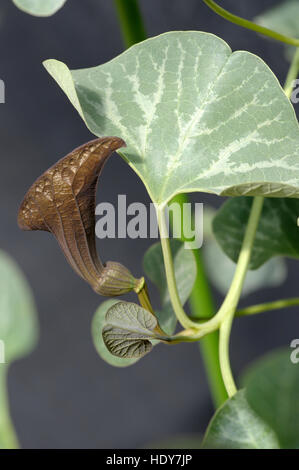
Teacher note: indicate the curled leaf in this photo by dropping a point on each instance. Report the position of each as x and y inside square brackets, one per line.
[62, 201]
[129, 329]
[97, 325]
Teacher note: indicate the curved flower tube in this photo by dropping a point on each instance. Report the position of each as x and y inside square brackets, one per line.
[62, 201]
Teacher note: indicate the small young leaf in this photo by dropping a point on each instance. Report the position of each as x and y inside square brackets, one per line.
[183, 102]
[272, 390]
[277, 233]
[236, 426]
[18, 317]
[185, 273]
[128, 330]
[97, 325]
[39, 7]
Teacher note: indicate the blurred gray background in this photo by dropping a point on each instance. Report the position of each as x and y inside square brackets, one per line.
[63, 394]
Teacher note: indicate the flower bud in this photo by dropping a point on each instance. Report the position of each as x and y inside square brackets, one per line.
[115, 280]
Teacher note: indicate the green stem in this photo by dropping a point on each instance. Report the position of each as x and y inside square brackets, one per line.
[201, 303]
[8, 438]
[267, 306]
[230, 303]
[223, 319]
[170, 275]
[130, 20]
[250, 25]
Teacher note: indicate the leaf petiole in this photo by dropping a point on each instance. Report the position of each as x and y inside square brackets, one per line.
[230, 303]
[170, 275]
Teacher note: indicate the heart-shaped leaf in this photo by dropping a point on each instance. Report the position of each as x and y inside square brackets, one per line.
[98, 322]
[236, 426]
[39, 7]
[272, 390]
[194, 116]
[129, 330]
[277, 233]
[18, 318]
[185, 274]
[282, 18]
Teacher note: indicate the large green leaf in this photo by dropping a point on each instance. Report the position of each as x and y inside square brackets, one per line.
[282, 18]
[272, 390]
[18, 319]
[98, 322]
[277, 233]
[236, 426]
[185, 274]
[39, 7]
[194, 115]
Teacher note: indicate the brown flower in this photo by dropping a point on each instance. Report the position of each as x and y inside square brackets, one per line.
[62, 201]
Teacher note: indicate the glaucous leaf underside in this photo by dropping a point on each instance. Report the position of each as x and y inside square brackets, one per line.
[97, 326]
[194, 115]
[129, 330]
[39, 7]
